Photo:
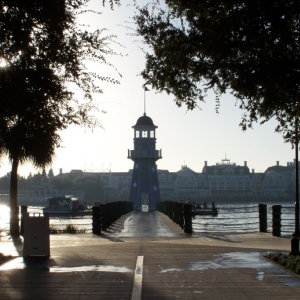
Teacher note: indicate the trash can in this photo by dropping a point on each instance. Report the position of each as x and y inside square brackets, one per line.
[36, 235]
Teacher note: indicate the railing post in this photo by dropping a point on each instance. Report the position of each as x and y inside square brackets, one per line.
[23, 212]
[158, 206]
[276, 220]
[173, 211]
[96, 210]
[109, 214]
[294, 246]
[187, 211]
[176, 213]
[181, 212]
[104, 216]
[169, 209]
[263, 217]
[166, 208]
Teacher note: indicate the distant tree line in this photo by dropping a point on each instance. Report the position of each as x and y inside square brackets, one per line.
[91, 185]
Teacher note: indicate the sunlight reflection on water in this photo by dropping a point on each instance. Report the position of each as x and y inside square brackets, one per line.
[59, 222]
[4, 216]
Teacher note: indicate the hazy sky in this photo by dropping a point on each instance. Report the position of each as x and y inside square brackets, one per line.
[188, 138]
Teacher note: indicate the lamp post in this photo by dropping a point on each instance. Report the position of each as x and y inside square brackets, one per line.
[296, 234]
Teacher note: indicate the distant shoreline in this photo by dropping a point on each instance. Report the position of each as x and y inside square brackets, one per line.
[253, 200]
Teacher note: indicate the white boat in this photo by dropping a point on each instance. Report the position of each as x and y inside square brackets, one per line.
[63, 205]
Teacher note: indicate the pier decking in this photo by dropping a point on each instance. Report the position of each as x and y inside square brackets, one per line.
[147, 256]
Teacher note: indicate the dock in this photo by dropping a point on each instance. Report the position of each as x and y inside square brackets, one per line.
[145, 255]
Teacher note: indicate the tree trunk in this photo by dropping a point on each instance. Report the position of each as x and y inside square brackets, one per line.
[14, 209]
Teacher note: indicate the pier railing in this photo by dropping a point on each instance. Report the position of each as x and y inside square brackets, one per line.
[106, 214]
[180, 213]
[276, 219]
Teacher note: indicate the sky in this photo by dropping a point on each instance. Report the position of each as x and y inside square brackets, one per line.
[185, 137]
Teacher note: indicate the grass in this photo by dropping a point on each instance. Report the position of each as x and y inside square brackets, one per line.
[69, 228]
[290, 262]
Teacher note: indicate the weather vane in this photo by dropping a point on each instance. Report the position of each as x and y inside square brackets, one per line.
[145, 90]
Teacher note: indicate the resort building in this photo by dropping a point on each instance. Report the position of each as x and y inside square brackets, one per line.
[223, 180]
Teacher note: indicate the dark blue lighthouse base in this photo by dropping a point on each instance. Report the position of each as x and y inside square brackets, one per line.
[144, 188]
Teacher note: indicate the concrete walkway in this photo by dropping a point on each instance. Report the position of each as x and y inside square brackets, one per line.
[147, 256]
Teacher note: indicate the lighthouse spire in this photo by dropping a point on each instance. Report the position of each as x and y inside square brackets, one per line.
[145, 90]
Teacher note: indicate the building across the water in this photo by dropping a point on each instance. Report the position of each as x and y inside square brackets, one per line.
[221, 180]
[224, 180]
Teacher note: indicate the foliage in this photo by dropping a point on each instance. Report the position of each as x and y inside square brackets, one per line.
[290, 262]
[23, 183]
[4, 182]
[53, 229]
[69, 228]
[92, 185]
[250, 48]
[61, 184]
[45, 52]
[50, 174]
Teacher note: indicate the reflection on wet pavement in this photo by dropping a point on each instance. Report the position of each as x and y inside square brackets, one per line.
[94, 268]
[147, 224]
[19, 264]
[170, 270]
[253, 260]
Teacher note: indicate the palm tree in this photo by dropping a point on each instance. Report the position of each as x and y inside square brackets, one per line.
[28, 139]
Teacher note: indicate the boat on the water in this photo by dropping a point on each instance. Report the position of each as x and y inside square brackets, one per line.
[204, 210]
[67, 204]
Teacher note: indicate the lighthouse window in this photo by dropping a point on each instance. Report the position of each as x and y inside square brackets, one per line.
[152, 133]
[144, 134]
[137, 134]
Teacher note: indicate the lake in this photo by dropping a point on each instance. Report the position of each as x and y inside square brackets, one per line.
[232, 218]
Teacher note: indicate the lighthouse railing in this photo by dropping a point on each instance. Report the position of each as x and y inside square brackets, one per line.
[144, 154]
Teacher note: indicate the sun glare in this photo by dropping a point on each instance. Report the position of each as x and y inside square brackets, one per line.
[3, 63]
[4, 218]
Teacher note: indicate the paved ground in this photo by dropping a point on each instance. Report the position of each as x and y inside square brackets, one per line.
[149, 251]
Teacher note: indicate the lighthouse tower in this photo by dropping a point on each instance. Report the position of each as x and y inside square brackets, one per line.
[144, 189]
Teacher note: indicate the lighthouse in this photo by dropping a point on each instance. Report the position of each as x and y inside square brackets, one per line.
[144, 189]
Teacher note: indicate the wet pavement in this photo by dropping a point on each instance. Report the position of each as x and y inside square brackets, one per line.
[173, 265]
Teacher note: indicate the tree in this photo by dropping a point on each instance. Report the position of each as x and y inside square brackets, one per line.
[62, 183]
[249, 48]
[50, 174]
[91, 185]
[93, 188]
[45, 53]
[4, 183]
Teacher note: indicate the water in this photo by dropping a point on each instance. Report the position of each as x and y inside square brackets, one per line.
[243, 217]
[59, 222]
[235, 218]
[4, 217]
